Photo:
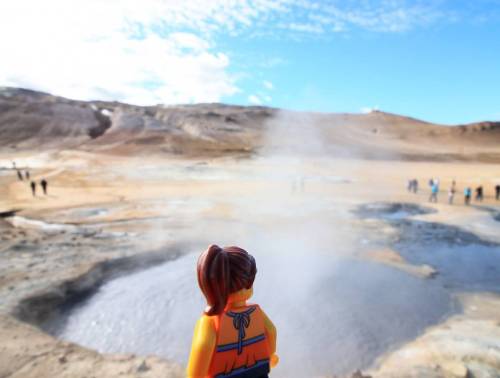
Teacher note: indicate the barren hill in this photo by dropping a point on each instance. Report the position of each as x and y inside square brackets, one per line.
[30, 119]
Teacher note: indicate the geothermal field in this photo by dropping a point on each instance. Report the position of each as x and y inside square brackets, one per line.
[98, 275]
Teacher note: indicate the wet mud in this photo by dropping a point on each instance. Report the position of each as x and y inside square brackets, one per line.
[351, 310]
[354, 311]
[391, 211]
[342, 306]
[45, 309]
[464, 260]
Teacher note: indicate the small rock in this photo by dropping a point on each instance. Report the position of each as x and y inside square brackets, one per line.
[455, 370]
[121, 357]
[143, 367]
[359, 374]
[62, 360]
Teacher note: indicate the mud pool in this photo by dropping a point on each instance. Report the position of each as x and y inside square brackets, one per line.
[334, 313]
[350, 311]
[464, 261]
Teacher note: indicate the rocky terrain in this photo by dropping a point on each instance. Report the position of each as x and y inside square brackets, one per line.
[131, 187]
[31, 119]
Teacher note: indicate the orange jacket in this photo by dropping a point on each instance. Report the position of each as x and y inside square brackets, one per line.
[242, 349]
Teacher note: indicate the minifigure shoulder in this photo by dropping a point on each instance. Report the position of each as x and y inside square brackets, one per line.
[202, 347]
[206, 323]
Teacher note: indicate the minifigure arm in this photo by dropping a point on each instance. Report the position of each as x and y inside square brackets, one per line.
[202, 348]
[271, 336]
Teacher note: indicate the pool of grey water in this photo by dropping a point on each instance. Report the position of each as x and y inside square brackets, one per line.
[464, 261]
[333, 315]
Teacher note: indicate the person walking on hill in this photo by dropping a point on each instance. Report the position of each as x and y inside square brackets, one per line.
[44, 184]
[451, 192]
[467, 195]
[479, 193]
[497, 192]
[33, 188]
[434, 192]
[27, 175]
[415, 186]
[19, 175]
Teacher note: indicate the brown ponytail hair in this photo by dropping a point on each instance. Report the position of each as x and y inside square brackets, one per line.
[223, 271]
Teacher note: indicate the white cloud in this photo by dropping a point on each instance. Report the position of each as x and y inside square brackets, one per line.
[268, 85]
[108, 50]
[273, 62]
[254, 100]
[307, 28]
[368, 110]
[122, 50]
[189, 41]
[383, 15]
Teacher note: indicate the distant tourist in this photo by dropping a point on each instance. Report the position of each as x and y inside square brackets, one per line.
[413, 185]
[13, 165]
[497, 192]
[33, 188]
[19, 175]
[27, 175]
[434, 182]
[479, 194]
[44, 186]
[434, 192]
[451, 192]
[467, 195]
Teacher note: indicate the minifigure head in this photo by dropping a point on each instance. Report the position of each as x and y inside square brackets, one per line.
[222, 272]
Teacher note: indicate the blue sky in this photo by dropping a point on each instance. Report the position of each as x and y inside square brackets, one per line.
[435, 60]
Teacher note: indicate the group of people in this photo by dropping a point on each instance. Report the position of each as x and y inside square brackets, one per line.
[413, 186]
[43, 183]
[434, 189]
[20, 175]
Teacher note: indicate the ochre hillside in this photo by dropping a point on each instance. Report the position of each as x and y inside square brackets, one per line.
[30, 119]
